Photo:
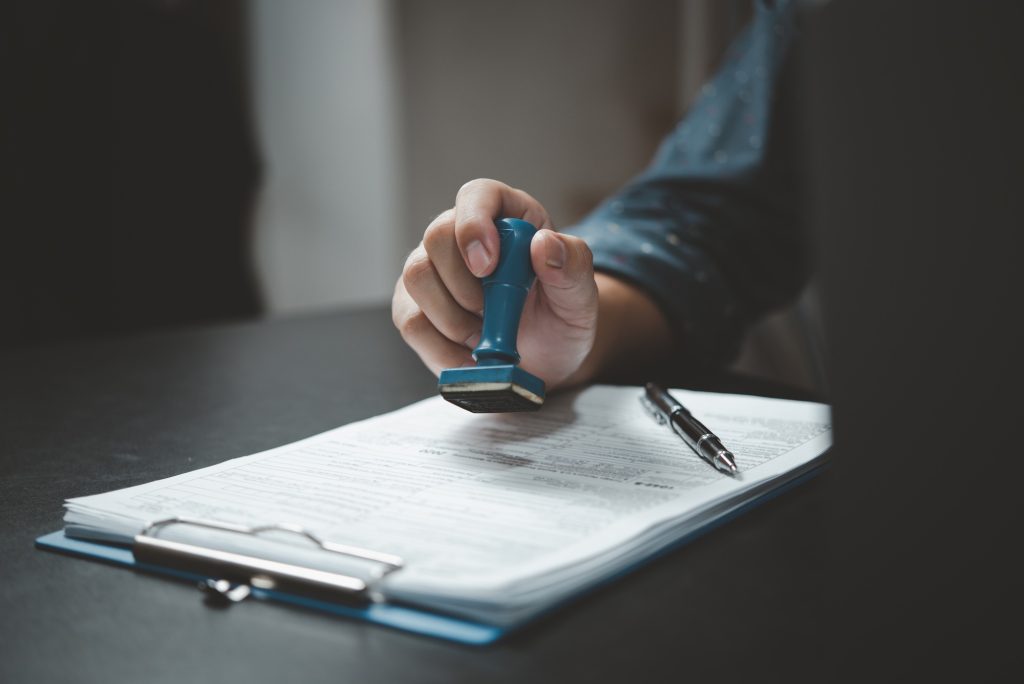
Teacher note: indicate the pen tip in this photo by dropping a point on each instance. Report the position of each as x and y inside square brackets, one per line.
[726, 458]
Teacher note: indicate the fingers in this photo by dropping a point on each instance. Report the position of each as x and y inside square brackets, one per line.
[438, 301]
[564, 266]
[423, 284]
[435, 350]
[477, 204]
[439, 242]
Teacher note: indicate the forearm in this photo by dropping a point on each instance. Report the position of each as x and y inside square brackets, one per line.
[711, 229]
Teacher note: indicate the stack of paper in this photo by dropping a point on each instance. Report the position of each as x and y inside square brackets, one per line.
[498, 517]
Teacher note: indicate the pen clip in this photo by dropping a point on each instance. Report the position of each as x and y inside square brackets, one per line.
[651, 409]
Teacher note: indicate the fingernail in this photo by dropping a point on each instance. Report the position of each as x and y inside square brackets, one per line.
[479, 258]
[473, 340]
[554, 251]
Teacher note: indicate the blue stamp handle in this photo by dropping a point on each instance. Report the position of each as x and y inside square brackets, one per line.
[505, 293]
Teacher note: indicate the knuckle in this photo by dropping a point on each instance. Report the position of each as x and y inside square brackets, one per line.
[417, 269]
[476, 184]
[401, 304]
[413, 256]
[411, 323]
[438, 235]
[397, 298]
[583, 252]
[445, 215]
[396, 313]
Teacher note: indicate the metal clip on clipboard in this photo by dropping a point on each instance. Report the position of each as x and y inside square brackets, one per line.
[234, 575]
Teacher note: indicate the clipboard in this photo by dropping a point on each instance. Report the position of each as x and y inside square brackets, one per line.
[231, 577]
[351, 601]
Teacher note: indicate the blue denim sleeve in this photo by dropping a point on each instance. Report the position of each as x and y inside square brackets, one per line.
[710, 230]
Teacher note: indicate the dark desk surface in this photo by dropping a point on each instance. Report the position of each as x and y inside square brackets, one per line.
[89, 417]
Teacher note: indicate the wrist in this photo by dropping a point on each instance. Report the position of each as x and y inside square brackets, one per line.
[631, 332]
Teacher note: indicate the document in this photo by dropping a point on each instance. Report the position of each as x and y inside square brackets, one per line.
[497, 517]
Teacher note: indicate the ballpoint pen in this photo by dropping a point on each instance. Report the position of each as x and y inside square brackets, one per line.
[667, 411]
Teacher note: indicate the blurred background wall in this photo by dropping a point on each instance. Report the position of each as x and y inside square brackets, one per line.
[179, 161]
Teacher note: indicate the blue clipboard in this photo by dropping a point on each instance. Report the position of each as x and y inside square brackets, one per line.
[388, 614]
[407, 618]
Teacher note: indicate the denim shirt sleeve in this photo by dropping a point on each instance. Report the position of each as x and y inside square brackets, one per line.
[710, 230]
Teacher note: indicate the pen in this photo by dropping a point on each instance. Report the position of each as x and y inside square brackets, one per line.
[666, 410]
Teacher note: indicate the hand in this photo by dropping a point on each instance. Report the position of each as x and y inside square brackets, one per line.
[438, 301]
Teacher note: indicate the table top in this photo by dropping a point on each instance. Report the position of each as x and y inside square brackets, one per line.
[87, 417]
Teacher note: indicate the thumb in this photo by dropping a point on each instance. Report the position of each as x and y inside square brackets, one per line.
[565, 270]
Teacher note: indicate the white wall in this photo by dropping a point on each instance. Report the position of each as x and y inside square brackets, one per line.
[325, 104]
